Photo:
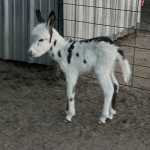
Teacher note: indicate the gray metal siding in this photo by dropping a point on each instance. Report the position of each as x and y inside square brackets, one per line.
[17, 19]
[1, 27]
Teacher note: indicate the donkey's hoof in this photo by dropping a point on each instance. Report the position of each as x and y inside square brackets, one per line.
[67, 121]
[113, 111]
[111, 116]
[68, 118]
[102, 120]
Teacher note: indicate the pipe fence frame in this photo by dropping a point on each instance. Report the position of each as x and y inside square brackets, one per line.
[126, 22]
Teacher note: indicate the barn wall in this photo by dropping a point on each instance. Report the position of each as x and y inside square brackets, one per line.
[17, 19]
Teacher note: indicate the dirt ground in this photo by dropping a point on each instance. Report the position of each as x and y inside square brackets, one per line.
[32, 104]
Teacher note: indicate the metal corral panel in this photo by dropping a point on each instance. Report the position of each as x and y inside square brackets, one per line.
[87, 19]
[17, 18]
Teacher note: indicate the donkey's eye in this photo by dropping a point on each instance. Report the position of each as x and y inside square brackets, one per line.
[41, 40]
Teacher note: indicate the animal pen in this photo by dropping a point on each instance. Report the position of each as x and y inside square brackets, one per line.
[123, 21]
[32, 99]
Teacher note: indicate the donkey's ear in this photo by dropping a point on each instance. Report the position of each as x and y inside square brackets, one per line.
[51, 19]
[39, 16]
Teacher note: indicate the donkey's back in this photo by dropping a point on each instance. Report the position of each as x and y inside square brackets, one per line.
[87, 54]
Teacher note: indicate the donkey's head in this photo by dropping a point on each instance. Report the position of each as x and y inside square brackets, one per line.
[42, 35]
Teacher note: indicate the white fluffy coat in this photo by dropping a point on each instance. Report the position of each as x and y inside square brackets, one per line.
[77, 57]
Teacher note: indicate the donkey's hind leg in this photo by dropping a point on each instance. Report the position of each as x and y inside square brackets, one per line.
[112, 110]
[107, 87]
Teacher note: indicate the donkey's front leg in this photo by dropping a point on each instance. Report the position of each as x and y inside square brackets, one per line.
[71, 79]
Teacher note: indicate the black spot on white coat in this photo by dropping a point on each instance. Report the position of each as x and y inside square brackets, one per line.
[55, 42]
[98, 39]
[71, 99]
[121, 53]
[84, 61]
[69, 56]
[77, 54]
[41, 40]
[59, 53]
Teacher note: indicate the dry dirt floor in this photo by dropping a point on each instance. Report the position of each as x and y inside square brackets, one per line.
[32, 104]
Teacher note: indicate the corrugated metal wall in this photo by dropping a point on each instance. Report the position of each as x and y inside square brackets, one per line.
[87, 19]
[17, 18]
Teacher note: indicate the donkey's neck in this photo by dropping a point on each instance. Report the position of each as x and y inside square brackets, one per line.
[58, 40]
[58, 45]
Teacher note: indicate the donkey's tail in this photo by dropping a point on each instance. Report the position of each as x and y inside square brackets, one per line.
[125, 67]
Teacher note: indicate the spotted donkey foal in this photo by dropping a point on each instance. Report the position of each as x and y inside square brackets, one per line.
[77, 57]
